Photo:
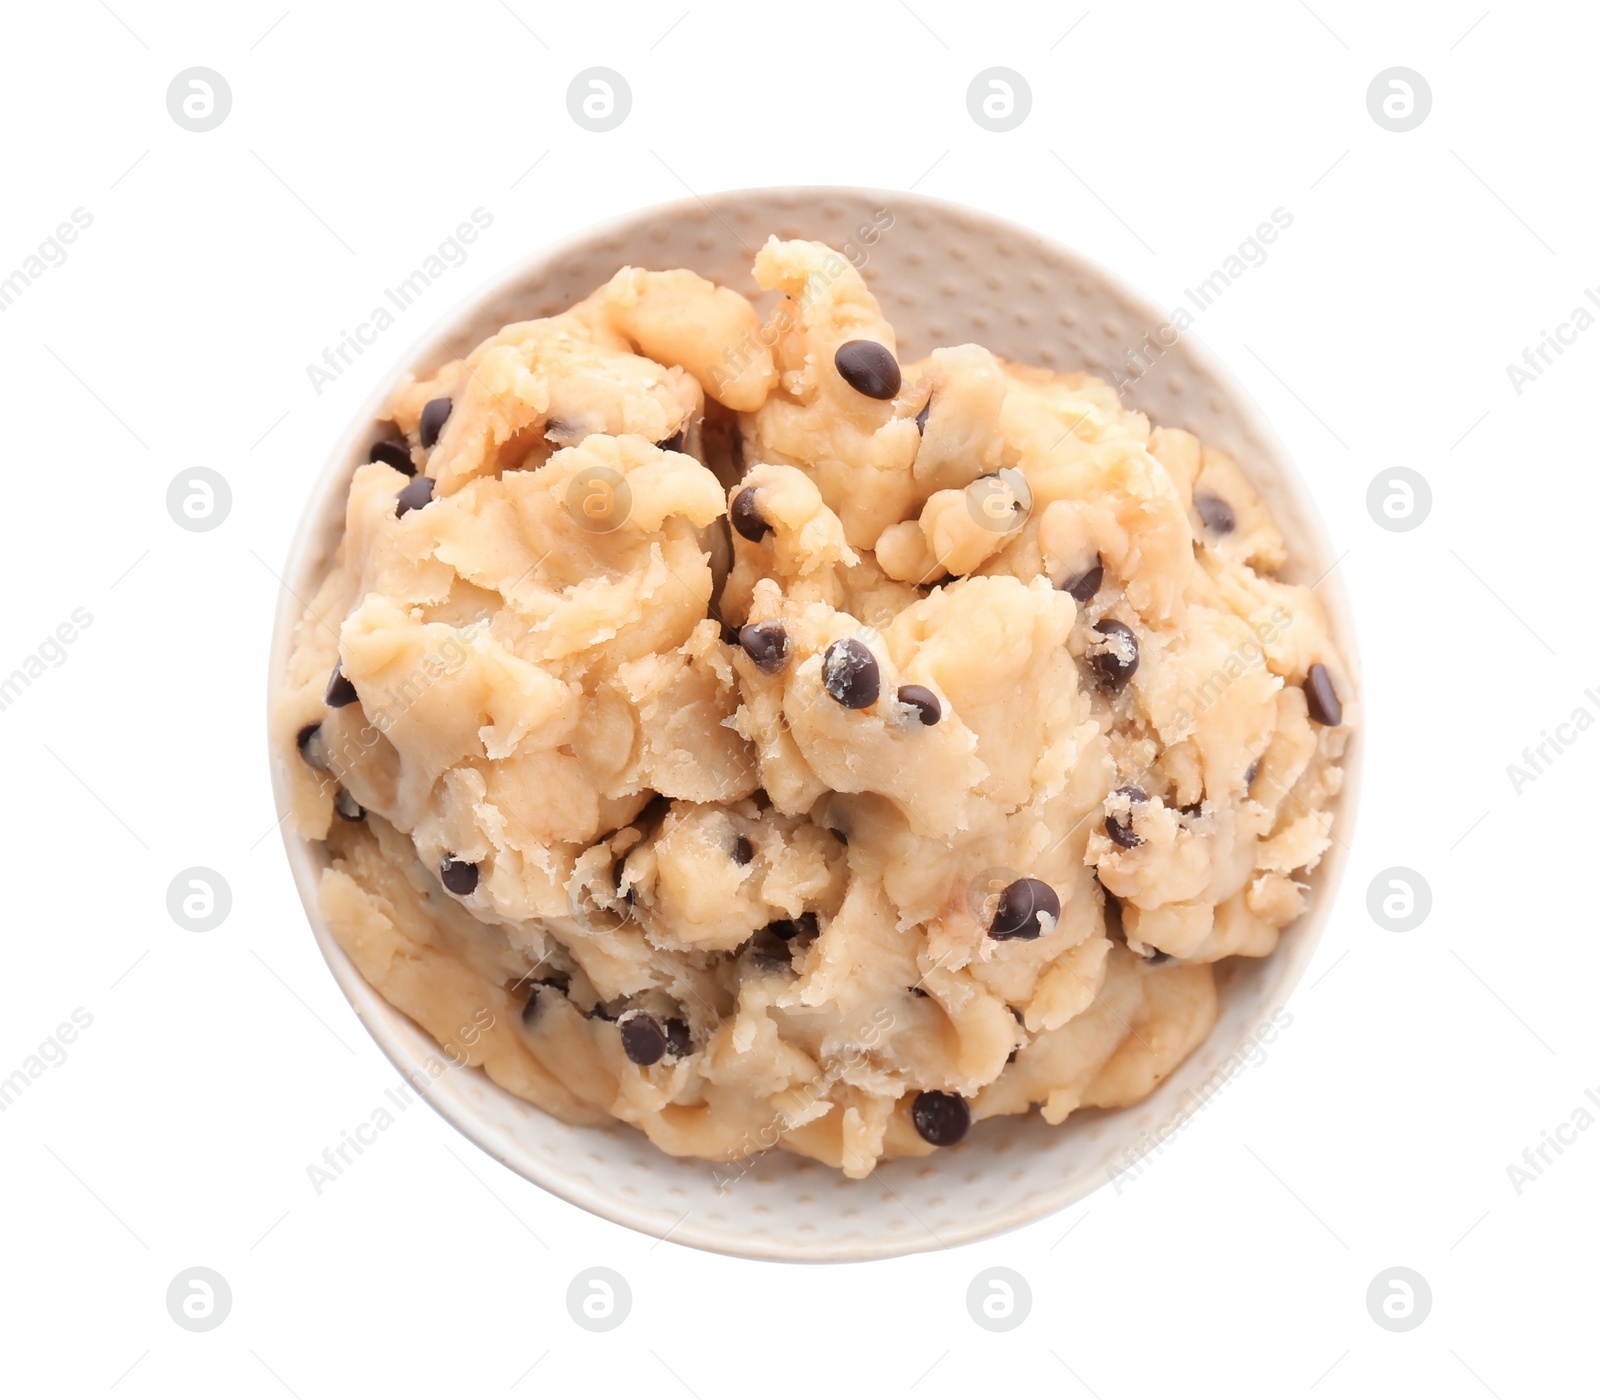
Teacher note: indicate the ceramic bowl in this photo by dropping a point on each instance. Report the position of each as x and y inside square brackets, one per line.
[944, 275]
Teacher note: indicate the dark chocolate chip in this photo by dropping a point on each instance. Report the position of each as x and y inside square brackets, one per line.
[868, 368]
[1021, 904]
[922, 418]
[673, 443]
[743, 851]
[643, 1040]
[766, 644]
[1115, 667]
[313, 748]
[679, 1041]
[458, 876]
[922, 700]
[940, 1118]
[790, 929]
[347, 807]
[1322, 700]
[850, 674]
[1252, 773]
[435, 413]
[1122, 832]
[1087, 584]
[1215, 512]
[414, 495]
[341, 691]
[746, 516]
[393, 452]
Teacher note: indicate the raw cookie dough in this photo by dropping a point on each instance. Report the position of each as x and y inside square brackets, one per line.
[786, 746]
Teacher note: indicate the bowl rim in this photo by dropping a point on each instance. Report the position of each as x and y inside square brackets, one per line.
[308, 553]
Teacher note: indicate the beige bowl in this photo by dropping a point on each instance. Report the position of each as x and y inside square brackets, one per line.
[945, 275]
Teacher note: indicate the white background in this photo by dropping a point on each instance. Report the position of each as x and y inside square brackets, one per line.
[1379, 1129]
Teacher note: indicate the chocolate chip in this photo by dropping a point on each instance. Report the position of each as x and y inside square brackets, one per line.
[1251, 774]
[1215, 512]
[868, 368]
[393, 452]
[1022, 902]
[746, 516]
[643, 1040]
[922, 418]
[313, 747]
[1322, 700]
[414, 495]
[940, 1118]
[435, 413]
[458, 876]
[1087, 584]
[743, 851]
[347, 807]
[1122, 832]
[341, 691]
[766, 644]
[673, 443]
[679, 1040]
[790, 929]
[1115, 666]
[922, 700]
[850, 674]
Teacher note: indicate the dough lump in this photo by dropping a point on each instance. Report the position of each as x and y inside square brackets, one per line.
[774, 746]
